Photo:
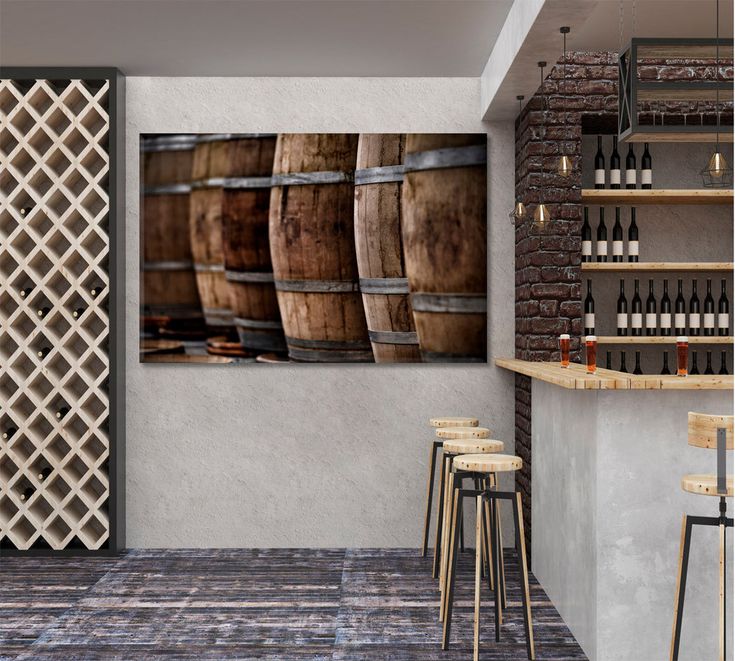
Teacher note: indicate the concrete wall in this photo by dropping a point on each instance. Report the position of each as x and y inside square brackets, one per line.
[321, 455]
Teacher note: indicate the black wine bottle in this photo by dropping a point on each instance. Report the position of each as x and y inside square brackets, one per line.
[45, 472]
[42, 312]
[602, 238]
[723, 363]
[622, 311]
[617, 247]
[615, 165]
[599, 165]
[96, 290]
[708, 319]
[589, 311]
[630, 168]
[646, 168]
[42, 353]
[636, 313]
[27, 493]
[633, 245]
[623, 368]
[62, 412]
[651, 317]
[723, 312]
[25, 291]
[9, 433]
[586, 238]
[695, 369]
[608, 360]
[708, 369]
[680, 317]
[78, 313]
[665, 369]
[664, 320]
[695, 320]
[637, 369]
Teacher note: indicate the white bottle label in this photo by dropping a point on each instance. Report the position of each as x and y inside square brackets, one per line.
[646, 177]
[614, 177]
[636, 320]
[602, 248]
[618, 248]
[709, 319]
[600, 177]
[665, 320]
[587, 247]
[630, 176]
[723, 320]
[680, 320]
[650, 320]
[694, 320]
[622, 320]
[589, 319]
[633, 248]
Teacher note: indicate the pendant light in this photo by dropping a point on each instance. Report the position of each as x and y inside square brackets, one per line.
[564, 168]
[519, 211]
[541, 214]
[717, 173]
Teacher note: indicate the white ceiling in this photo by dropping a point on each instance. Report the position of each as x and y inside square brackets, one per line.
[254, 37]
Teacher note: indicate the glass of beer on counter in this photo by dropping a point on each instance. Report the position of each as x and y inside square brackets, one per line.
[682, 355]
[564, 341]
[590, 343]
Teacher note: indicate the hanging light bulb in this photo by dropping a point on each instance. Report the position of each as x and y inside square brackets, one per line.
[717, 166]
[519, 210]
[541, 216]
[564, 168]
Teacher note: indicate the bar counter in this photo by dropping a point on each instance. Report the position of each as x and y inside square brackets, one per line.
[608, 454]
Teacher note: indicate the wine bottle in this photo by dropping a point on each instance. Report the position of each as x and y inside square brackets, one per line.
[62, 412]
[708, 369]
[664, 320]
[694, 316]
[723, 363]
[602, 238]
[96, 290]
[695, 369]
[26, 291]
[637, 369]
[633, 246]
[680, 317]
[665, 369]
[608, 360]
[615, 165]
[651, 320]
[9, 433]
[589, 311]
[622, 311]
[586, 238]
[623, 368]
[636, 313]
[27, 493]
[630, 168]
[42, 312]
[723, 312]
[708, 320]
[646, 168]
[78, 313]
[617, 238]
[42, 353]
[45, 472]
[599, 165]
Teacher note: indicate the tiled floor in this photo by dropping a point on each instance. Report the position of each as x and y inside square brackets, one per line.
[353, 605]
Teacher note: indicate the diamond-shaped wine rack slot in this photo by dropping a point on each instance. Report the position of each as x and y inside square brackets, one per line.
[54, 325]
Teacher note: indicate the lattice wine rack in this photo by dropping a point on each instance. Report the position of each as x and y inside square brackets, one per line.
[61, 392]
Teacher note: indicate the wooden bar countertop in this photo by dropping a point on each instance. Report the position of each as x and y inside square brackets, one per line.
[575, 377]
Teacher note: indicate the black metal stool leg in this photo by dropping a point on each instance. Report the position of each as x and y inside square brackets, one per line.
[439, 519]
[523, 567]
[487, 527]
[496, 565]
[429, 496]
[686, 538]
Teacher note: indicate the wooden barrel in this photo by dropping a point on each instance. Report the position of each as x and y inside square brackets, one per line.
[313, 248]
[445, 244]
[211, 163]
[247, 257]
[383, 282]
[168, 280]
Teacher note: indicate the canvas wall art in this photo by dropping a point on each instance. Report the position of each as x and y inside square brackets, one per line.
[314, 248]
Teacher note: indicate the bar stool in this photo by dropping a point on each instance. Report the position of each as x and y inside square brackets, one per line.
[438, 423]
[481, 466]
[710, 432]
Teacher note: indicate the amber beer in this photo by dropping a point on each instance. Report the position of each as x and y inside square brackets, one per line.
[564, 341]
[591, 346]
[682, 355]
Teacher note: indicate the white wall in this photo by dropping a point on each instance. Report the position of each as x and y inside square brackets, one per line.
[322, 455]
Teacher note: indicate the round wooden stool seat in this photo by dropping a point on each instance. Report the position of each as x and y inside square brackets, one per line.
[472, 446]
[454, 422]
[704, 484]
[488, 463]
[463, 432]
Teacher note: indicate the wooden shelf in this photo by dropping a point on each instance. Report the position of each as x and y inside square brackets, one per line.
[636, 197]
[707, 136]
[619, 267]
[628, 339]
